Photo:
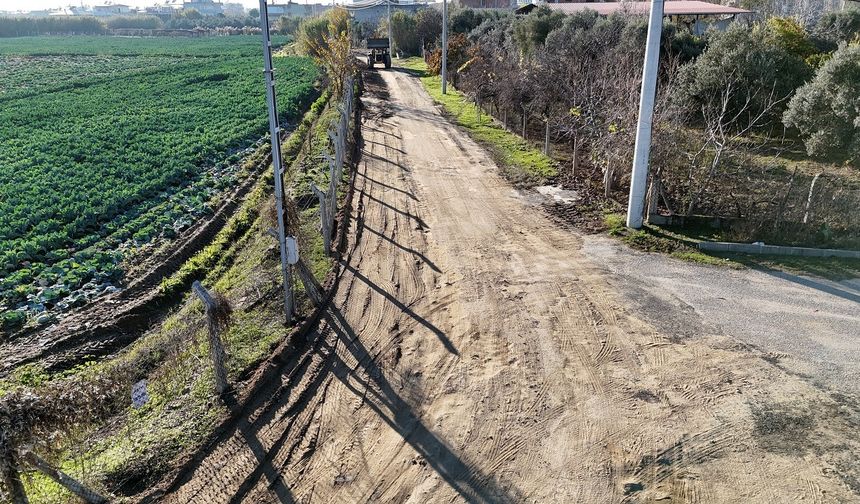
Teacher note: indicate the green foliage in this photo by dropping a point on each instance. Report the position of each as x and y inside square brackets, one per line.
[465, 20]
[836, 27]
[428, 26]
[205, 260]
[404, 33]
[615, 223]
[314, 33]
[287, 25]
[791, 36]
[747, 62]
[531, 31]
[143, 146]
[19, 27]
[827, 109]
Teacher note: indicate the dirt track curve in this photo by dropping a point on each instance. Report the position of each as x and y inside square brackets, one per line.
[473, 354]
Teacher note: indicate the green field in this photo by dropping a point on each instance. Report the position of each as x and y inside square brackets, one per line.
[107, 144]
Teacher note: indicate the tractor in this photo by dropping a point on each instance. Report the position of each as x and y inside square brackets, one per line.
[379, 52]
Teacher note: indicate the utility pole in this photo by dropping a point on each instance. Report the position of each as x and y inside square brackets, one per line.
[642, 154]
[277, 164]
[444, 46]
[390, 47]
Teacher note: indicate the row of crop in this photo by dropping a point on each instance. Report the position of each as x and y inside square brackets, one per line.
[86, 169]
[238, 45]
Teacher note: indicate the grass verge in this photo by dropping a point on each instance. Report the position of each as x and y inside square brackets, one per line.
[682, 243]
[520, 162]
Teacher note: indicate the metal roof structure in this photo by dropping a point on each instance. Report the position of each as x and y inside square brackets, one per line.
[671, 8]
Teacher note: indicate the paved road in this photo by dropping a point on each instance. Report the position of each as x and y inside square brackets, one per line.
[809, 326]
[473, 353]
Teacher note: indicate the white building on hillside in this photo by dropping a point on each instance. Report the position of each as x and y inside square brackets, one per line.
[110, 9]
[205, 7]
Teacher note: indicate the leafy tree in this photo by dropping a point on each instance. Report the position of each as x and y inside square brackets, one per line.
[327, 38]
[531, 31]
[287, 25]
[254, 13]
[404, 35]
[826, 110]
[428, 26]
[19, 27]
[312, 35]
[750, 62]
[791, 36]
[836, 27]
[465, 20]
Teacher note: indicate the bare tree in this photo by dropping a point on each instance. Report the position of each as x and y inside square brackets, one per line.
[726, 133]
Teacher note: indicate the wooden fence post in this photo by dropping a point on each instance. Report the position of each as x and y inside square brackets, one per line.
[64, 479]
[216, 349]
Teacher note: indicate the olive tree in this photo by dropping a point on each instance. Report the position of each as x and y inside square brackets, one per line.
[826, 110]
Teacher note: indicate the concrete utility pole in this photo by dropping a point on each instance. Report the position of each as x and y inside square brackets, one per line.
[390, 47]
[444, 46]
[642, 154]
[277, 165]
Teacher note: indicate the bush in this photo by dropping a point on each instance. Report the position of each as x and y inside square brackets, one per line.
[404, 34]
[428, 26]
[827, 110]
[750, 62]
[837, 27]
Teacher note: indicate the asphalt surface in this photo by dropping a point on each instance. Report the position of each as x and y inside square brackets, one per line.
[809, 326]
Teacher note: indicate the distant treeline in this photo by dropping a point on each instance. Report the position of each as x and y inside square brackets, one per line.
[88, 25]
[20, 27]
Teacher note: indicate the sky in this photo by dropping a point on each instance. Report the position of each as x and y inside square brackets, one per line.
[28, 5]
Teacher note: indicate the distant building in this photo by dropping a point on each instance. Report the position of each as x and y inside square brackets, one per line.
[110, 10]
[205, 7]
[293, 9]
[63, 11]
[699, 16]
[489, 4]
[160, 10]
[377, 12]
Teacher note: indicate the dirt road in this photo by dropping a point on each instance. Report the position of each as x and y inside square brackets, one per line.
[808, 326]
[474, 354]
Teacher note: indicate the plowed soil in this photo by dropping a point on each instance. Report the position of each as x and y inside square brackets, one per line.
[472, 353]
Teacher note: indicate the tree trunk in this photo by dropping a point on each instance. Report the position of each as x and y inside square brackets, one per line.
[809, 198]
[524, 124]
[575, 162]
[714, 165]
[546, 140]
[608, 175]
